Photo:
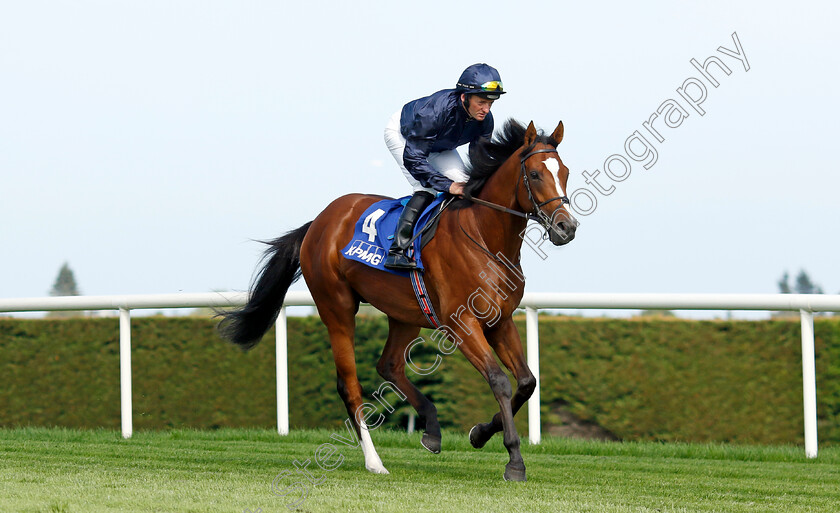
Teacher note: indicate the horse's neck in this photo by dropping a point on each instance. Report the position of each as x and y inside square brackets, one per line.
[501, 231]
[501, 188]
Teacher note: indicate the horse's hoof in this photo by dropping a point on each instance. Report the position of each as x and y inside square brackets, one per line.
[377, 469]
[514, 474]
[475, 441]
[431, 443]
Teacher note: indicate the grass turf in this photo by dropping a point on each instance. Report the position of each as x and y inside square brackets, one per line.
[72, 471]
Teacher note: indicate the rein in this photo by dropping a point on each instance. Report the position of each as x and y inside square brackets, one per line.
[501, 208]
[537, 214]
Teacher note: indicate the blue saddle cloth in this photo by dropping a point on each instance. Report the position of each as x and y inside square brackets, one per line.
[374, 233]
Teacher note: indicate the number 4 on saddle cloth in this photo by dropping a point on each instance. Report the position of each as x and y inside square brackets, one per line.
[374, 233]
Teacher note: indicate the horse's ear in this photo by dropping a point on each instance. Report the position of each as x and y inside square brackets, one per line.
[530, 134]
[558, 133]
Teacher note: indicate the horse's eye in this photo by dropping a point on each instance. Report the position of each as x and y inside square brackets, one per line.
[535, 175]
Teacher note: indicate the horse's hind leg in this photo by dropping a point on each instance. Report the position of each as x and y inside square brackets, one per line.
[508, 347]
[391, 367]
[337, 308]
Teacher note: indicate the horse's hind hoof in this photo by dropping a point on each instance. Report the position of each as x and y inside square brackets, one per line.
[475, 438]
[431, 443]
[514, 474]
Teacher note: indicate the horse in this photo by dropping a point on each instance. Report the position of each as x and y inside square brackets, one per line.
[514, 177]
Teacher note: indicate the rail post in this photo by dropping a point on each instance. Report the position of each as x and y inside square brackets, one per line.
[125, 372]
[809, 382]
[532, 334]
[282, 357]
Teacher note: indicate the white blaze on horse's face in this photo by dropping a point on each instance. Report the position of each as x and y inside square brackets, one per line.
[561, 216]
[553, 167]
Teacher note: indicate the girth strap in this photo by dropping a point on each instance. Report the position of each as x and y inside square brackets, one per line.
[423, 298]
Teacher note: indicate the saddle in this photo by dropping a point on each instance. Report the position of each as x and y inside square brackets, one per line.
[374, 232]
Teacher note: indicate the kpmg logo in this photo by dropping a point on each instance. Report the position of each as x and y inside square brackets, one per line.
[366, 252]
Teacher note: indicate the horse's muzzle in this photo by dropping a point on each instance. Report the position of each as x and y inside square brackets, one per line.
[562, 229]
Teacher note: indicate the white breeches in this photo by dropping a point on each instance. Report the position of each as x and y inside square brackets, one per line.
[448, 163]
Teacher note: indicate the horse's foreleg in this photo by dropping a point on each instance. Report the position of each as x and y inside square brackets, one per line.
[508, 346]
[391, 367]
[478, 352]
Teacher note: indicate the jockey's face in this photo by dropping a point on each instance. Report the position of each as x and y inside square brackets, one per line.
[477, 107]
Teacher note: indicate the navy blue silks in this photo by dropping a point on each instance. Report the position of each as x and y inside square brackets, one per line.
[434, 124]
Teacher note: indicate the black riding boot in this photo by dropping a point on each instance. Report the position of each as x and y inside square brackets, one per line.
[397, 258]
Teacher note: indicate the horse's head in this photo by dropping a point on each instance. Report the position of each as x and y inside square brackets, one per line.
[544, 177]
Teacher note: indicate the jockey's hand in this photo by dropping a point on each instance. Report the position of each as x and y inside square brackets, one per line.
[457, 189]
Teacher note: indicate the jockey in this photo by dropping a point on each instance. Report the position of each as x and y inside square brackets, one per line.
[423, 136]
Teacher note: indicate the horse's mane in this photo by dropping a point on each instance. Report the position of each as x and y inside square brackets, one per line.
[486, 156]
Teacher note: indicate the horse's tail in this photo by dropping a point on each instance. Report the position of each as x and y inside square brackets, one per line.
[245, 327]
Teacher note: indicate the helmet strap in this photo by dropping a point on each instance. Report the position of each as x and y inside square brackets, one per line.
[466, 104]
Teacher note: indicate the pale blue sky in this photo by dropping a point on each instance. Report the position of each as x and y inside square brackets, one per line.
[147, 143]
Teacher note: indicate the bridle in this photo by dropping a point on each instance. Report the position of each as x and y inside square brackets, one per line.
[536, 215]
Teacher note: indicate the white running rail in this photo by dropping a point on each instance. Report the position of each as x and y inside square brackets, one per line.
[805, 304]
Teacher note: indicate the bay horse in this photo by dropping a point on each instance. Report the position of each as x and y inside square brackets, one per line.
[515, 177]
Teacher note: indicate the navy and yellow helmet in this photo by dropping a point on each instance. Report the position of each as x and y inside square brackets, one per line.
[481, 79]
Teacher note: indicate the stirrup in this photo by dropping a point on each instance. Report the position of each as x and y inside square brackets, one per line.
[399, 262]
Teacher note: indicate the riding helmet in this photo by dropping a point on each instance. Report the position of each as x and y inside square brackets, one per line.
[481, 79]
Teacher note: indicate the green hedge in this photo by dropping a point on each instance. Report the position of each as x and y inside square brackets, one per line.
[641, 379]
